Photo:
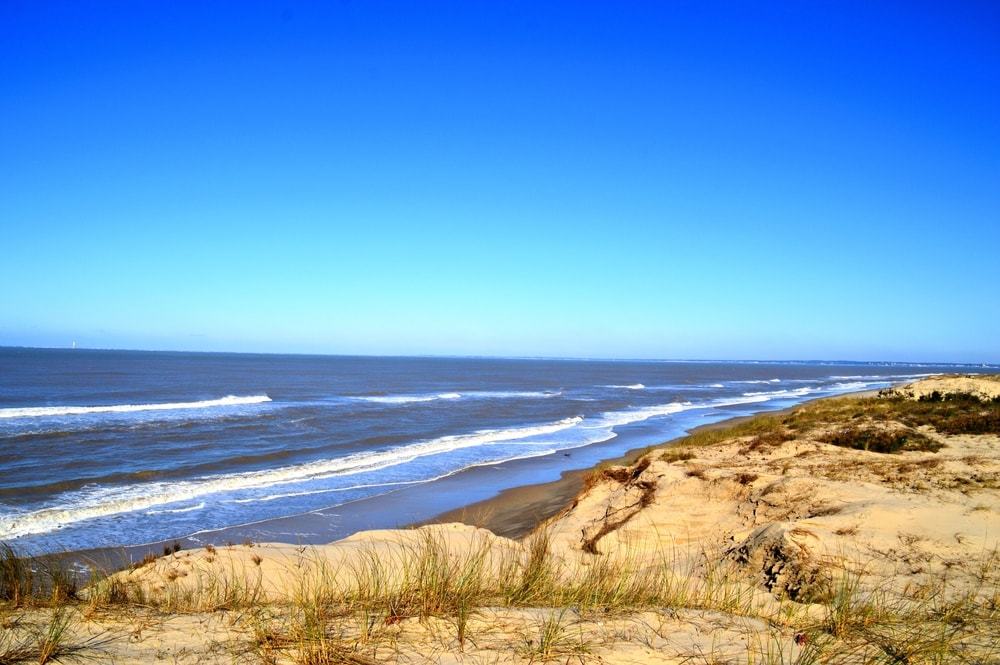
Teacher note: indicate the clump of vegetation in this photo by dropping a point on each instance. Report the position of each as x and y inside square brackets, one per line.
[676, 454]
[618, 474]
[46, 589]
[31, 581]
[554, 640]
[952, 413]
[934, 623]
[622, 474]
[16, 576]
[537, 574]
[960, 413]
[146, 560]
[768, 439]
[879, 440]
[41, 644]
[759, 426]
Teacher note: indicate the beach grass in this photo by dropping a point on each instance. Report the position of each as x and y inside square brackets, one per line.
[934, 624]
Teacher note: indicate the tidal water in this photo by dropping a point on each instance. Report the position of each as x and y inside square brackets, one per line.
[110, 448]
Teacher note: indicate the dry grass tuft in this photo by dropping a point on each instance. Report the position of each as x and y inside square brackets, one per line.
[880, 440]
[555, 639]
[676, 454]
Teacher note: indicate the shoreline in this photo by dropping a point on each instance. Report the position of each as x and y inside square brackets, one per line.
[517, 511]
[513, 512]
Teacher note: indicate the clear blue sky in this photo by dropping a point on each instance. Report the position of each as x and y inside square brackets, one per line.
[663, 179]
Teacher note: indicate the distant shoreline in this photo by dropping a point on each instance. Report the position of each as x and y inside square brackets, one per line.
[423, 356]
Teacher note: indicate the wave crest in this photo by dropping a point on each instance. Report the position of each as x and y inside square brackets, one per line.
[51, 411]
[145, 496]
[469, 394]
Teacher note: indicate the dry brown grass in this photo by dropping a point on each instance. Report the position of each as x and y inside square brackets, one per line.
[881, 440]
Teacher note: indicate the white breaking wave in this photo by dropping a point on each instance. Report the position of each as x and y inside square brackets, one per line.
[401, 483]
[854, 385]
[407, 399]
[49, 411]
[502, 394]
[684, 386]
[629, 416]
[796, 392]
[883, 377]
[759, 381]
[736, 401]
[116, 500]
[471, 394]
[198, 506]
[638, 414]
[631, 386]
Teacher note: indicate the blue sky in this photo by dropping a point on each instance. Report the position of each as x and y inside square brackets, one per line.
[665, 180]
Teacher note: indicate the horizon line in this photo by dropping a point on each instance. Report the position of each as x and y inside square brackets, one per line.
[991, 365]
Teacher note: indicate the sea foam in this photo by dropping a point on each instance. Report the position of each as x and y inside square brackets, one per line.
[469, 394]
[52, 411]
[103, 502]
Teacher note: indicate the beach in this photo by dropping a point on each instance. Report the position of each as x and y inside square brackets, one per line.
[837, 531]
[517, 511]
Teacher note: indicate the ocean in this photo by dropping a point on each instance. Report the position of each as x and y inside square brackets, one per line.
[116, 448]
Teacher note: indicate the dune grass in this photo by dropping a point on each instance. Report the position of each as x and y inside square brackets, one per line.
[854, 422]
[878, 440]
[955, 413]
[343, 614]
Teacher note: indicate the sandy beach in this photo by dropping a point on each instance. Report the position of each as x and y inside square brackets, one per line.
[516, 512]
[854, 529]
